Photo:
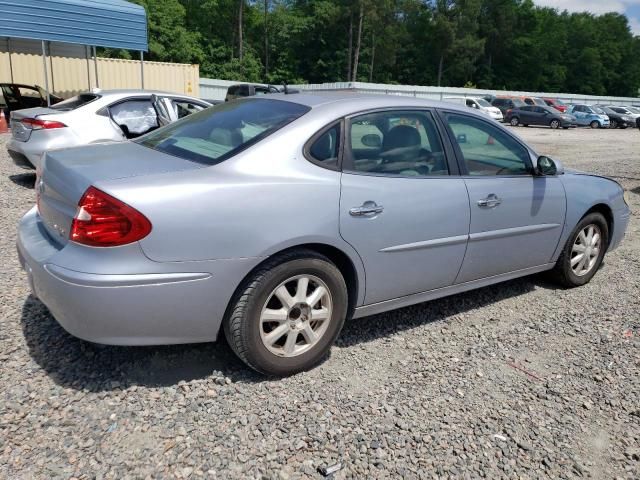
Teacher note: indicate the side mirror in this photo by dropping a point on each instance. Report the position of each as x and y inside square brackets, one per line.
[548, 167]
[371, 140]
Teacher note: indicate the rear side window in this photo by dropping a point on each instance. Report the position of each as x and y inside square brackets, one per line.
[325, 149]
[215, 134]
[75, 102]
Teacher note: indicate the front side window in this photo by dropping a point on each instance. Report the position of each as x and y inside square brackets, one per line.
[214, 134]
[486, 149]
[404, 143]
[185, 107]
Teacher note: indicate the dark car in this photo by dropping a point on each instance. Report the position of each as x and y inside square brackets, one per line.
[507, 103]
[249, 90]
[18, 96]
[618, 119]
[537, 115]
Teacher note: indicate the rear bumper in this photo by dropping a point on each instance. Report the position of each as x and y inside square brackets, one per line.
[24, 154]
[152, 308]
[21, 160]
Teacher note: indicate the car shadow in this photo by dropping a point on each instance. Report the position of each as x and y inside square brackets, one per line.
[367, 329]
[27, 180]
[82, 365]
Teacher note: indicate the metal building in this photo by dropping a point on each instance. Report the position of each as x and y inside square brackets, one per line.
[91, 23]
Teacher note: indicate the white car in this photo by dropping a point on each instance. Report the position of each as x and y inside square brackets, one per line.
[479, 104]
[93, 117]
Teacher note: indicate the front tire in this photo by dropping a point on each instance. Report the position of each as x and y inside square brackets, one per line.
[614, 124]
[582, 255]
[555, 124]
[288, 313]
[594, 124]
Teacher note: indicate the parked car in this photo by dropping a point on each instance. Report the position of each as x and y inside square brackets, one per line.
[628, 111]
[536, 115]
[587, 115]
[275, 218]
[18, 96]
[534, 101]
[618, 120]
[555, 103]
[93, 117]
[507, 103]
[479, 104]
[249, 90]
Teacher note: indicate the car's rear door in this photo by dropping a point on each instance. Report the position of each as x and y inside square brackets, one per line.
[516, 216]
[400, 208]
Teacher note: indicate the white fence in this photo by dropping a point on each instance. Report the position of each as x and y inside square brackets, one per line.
[217, 89]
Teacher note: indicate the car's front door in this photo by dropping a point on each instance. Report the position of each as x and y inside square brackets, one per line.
[399, 207]
[516, 216]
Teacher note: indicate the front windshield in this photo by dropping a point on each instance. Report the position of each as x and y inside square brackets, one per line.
[599, 110]
[217, 133]
[482, 102]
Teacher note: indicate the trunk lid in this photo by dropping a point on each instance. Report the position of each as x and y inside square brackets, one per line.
[66, 175]
[22, 133]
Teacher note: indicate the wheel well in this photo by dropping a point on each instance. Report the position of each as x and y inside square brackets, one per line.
[340, 259]
[606, 212]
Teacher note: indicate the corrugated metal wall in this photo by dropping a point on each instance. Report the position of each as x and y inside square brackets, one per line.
[102, 23]
[71, 71]
[217, 89]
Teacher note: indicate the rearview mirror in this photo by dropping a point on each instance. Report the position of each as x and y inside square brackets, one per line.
[548, 167]
[371, 140]
[462, 138]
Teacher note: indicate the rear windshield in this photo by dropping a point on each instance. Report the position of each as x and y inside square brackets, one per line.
[75, 102]
[518, 103]
[217, 133]
[539, 101]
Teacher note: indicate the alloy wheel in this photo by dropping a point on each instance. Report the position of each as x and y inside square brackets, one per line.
[555, 124]
[585, 250]
[296, 315]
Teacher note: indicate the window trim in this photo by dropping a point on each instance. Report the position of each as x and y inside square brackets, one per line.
[347, 158]
[459, 156]
[306, 149]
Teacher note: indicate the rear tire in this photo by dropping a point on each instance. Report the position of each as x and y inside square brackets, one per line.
[514, 122]
[594, 124]
[555, 124]
[302, 331]
[568, 271]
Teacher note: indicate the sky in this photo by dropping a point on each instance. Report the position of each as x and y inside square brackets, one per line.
[631, 8]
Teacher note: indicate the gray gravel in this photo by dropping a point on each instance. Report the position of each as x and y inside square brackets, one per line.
[520, 380]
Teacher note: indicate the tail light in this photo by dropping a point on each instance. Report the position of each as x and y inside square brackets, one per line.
[38, 124]
[104, 221]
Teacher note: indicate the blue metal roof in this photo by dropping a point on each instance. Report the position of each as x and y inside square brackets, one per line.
[101, 23]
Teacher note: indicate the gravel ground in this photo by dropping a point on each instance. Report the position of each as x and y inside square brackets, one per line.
[519, 380]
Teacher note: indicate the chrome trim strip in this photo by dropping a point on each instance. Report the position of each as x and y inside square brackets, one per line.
[509, 232]
[99, 280]
[437, 242]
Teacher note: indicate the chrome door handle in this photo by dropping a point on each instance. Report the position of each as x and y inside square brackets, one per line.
[491, 201]
[367, 208]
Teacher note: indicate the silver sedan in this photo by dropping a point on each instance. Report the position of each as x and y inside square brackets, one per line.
[93, 117]
[274, 219]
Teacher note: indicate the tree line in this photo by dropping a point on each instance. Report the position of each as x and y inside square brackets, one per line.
[493, 44]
